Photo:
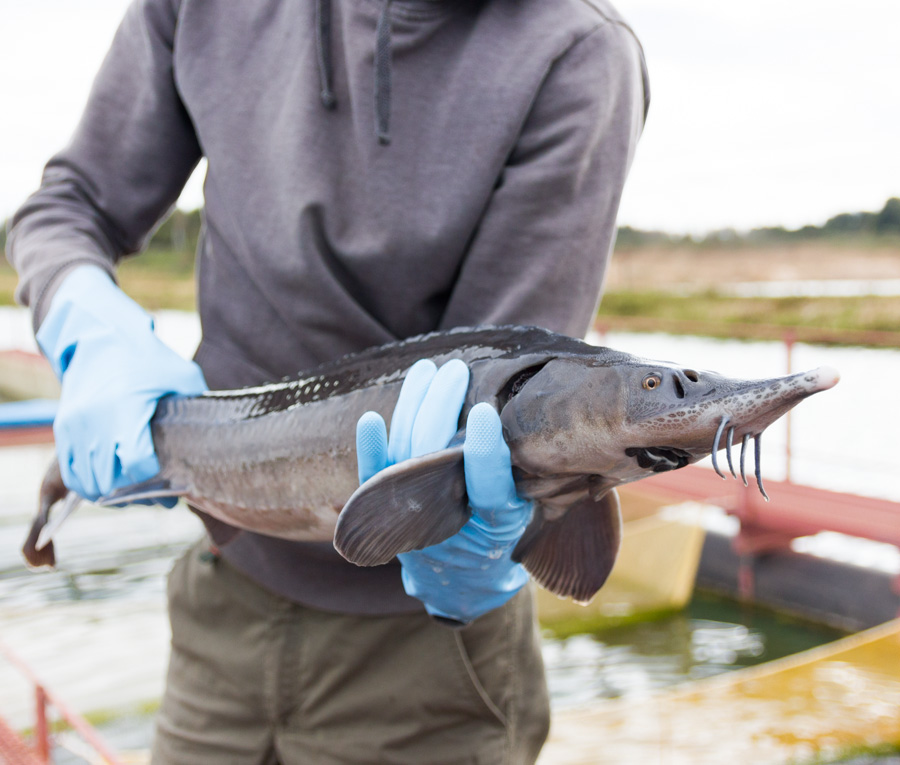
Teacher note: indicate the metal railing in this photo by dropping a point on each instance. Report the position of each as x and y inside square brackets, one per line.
[17, 751]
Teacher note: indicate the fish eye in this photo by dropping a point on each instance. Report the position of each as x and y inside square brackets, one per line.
[651, 382]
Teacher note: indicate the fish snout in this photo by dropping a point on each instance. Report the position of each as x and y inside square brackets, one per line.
[824, 378]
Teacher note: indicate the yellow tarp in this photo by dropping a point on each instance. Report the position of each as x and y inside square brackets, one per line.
[654, 572]
[817, 703]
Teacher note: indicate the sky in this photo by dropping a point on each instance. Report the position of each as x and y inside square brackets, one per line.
[777, 112]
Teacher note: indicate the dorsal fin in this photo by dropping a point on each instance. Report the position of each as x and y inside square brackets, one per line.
[572, 555]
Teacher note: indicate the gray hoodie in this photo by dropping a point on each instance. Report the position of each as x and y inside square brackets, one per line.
[376, 170]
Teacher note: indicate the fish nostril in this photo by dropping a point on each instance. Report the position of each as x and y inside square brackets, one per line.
[679, 388]
[691, 375]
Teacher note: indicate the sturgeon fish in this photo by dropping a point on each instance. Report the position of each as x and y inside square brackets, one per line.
[579, 420]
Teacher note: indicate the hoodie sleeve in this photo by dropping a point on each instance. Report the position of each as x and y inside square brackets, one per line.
[540, 252]
[129, 158]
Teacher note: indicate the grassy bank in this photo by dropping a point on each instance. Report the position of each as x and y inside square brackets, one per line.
[638, 296]
[158, 279]
[721, 315]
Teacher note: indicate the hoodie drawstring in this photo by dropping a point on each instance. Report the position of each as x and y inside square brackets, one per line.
[323, 51]
[382, 65]
[383, 75]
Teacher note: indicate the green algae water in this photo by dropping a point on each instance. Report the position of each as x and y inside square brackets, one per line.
[711, 636]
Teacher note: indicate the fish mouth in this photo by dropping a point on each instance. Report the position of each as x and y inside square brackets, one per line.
[659, 459]
[741, 413]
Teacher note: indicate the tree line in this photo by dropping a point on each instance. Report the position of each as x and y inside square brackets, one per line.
[870, 225]
[179, 233]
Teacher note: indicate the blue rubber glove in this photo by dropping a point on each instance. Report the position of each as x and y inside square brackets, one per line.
[113, 371]
[472, 572]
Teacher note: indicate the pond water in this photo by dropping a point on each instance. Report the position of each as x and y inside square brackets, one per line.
[711, 636]
[816, 288]
[95, 629]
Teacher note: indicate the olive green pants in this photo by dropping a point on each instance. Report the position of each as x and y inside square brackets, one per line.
[254, 678]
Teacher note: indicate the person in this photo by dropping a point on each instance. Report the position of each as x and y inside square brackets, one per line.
[377, 169]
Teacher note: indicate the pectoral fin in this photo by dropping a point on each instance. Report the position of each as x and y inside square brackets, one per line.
[572, 555]
[413, 504]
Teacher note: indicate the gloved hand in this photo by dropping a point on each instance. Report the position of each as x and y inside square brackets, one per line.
[472, 572]
[113, 371]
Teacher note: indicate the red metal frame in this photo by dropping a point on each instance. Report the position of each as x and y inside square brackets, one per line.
[37, 434]
[14, 750]
[794, 511]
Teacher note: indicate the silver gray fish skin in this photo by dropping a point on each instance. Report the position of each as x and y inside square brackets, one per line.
[580, 420]
[280, 459]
